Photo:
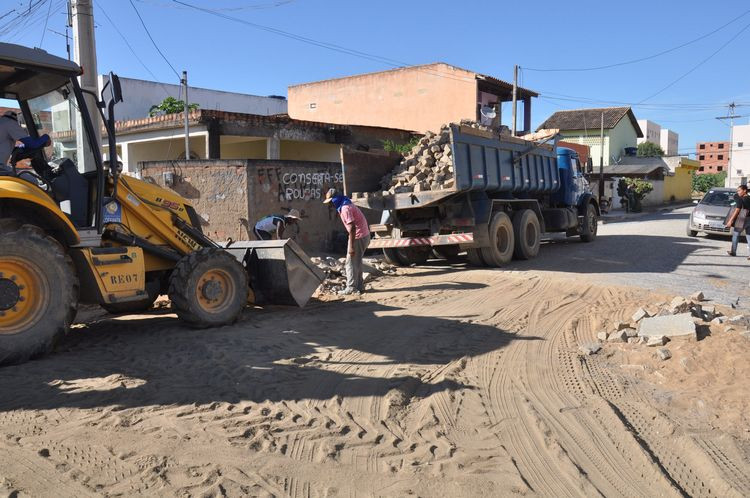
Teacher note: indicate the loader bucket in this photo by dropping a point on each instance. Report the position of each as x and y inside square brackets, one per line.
[279, 271]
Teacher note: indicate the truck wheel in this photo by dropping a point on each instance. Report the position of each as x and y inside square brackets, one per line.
[475, 257]
[589, 225]
[448, 253]
[208, 288]
[500, 251]
[527, 233]
[413, 255]
[391, 257]
[38, 293]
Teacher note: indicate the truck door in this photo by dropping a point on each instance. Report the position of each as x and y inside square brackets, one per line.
[580, 184]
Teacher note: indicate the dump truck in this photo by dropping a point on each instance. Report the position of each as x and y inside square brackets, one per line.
[506, 194]
[99, 237]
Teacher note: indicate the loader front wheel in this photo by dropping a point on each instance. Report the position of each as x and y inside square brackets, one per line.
[38, 293]
[208, 288]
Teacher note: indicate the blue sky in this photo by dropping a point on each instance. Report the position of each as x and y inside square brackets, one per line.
[483, 35]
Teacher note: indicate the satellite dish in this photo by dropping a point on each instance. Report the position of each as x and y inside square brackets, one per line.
[488, 112]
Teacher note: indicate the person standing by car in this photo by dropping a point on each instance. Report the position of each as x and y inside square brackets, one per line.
[359, 238]
[739, 219]
[275, 224]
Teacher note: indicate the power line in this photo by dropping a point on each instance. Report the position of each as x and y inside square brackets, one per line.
[642, 59]
[135, 54]
[697, 65]
[46, 20]
[152, 40]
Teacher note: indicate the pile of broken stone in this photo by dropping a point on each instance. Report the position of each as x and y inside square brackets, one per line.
[335, 272]
[678, 320]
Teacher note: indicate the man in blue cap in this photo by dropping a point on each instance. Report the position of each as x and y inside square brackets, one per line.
[359, 238]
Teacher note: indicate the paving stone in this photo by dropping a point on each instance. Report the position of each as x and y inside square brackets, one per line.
[679, 326]
[622, 325]
[590, 348]
[698, 296]
[656, 341]
[663, 354]
[602, 336]
[631, 332]
[632, 340]
[639, 315]
[679, 305]
[617, 336]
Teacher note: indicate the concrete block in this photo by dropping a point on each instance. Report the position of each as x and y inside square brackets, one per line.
[663, 354]
[630, 332]
[602, 336]
[679, 326]
[617, 336]
[656, 341]
[632, 340]
[622, 325]
[679, 305]
[590, 348]
[639, 315]
[697, 297]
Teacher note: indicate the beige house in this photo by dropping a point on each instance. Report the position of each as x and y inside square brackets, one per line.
[416, 98]
[583, 126]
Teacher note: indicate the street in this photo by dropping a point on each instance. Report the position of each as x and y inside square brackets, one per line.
[439, 381]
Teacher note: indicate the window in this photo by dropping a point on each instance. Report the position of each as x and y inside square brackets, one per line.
[701, 157]
[710, 156]
[740, 144]
[721, 146]
[701, 169]
[720, 157]
[702, 146]
[720, 168]
[313, 105]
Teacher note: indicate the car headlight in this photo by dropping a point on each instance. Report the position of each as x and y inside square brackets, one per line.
[699, 216]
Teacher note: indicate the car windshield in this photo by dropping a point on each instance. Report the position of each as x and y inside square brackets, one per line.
[718, 198]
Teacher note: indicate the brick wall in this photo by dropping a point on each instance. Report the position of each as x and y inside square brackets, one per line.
[231, 195]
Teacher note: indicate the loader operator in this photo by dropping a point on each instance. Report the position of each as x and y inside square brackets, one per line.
[10, 133]
[275, 224]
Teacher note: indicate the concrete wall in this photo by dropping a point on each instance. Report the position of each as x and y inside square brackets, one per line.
[591, 139]
[292, 150]
[656, 196]
[621, 136]
[232, 195]
[140, 95]
[679, 185]
[416, 99]
[669, 142]
[243, 148]
[740, 162]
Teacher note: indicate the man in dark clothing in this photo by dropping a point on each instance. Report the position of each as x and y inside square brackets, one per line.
[739, 219]
[10, 133]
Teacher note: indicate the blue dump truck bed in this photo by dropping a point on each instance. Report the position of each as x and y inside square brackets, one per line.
[483, 161]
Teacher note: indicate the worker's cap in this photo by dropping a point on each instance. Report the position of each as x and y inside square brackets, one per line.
[11, 114]
[293, 213]
[329, 195]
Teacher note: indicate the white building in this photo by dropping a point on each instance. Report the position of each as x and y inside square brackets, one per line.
[667, 139]
[669, 142]
[139, 95]
[739, 162]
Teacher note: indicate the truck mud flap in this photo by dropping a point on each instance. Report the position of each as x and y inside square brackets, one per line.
[279, 270]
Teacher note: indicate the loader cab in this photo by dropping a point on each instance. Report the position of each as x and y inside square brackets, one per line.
[69, 166]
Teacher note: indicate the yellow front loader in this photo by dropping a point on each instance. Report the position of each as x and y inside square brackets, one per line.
[98, 237]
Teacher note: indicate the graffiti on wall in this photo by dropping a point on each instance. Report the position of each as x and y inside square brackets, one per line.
[299, 185]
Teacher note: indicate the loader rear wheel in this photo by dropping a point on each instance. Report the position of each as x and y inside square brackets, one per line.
[38, 293]
[527, 233]
[208, 288]
[502, 241]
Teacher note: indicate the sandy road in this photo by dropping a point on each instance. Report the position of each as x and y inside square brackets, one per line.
[437, 383]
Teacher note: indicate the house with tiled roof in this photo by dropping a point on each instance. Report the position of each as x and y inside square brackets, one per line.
[583, 126]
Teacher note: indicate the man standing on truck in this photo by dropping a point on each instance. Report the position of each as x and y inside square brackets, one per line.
[359, 238]
[274, 225]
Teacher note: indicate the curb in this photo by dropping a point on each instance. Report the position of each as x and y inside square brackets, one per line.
[629, 216]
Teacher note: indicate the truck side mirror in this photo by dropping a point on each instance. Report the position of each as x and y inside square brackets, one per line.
[589, 166]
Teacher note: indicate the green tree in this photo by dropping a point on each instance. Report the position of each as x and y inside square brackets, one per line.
[649, 149]
[170, 105]
[403, 149]
[704, 183]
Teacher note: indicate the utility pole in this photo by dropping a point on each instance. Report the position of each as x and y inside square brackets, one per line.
[515, 97]
[186, 112]
[601, 160]
[731, 117]
[82, 16]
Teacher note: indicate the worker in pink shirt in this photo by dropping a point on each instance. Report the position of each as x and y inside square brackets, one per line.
[359, 238]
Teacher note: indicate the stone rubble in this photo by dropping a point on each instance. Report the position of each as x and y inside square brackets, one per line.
[590, 348]
[335, 272]
[663, 354]
[639, 315]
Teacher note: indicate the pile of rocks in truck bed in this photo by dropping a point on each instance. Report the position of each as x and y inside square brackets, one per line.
[428, 166]
[335, 272]
[680, 319]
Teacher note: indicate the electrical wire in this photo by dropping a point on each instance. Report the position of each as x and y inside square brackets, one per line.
[156, 46]
[46, 20]
[642, 59]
